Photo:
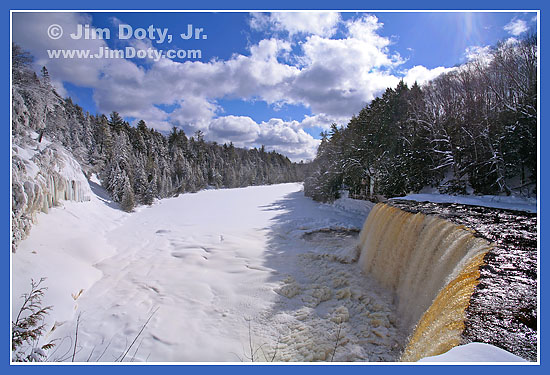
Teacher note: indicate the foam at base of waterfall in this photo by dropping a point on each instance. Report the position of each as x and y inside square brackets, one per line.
[330, 305]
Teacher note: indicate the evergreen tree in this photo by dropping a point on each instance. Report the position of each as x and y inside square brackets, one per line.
[471, 128]
[127, 202]
[45, 77]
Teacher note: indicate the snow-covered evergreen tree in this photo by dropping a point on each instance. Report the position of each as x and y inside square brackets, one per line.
[135, 164]
[471, 128]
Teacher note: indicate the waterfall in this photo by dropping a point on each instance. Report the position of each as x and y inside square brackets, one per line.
[431, 267]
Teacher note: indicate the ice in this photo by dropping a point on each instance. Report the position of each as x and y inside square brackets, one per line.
[43, 176]
[289, 289]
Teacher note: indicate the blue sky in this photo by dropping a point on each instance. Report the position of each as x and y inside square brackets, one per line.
[276, 79]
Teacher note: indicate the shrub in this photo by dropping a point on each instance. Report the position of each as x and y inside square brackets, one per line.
[28, 328]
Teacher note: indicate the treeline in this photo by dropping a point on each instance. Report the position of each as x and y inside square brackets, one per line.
[139, 164]
[471, 130]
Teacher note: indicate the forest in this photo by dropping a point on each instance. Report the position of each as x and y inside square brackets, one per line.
[137, 164]
[471, 130]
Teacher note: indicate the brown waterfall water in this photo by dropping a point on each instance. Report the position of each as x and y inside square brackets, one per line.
[431, 266]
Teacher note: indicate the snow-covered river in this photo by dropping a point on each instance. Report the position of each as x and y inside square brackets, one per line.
[223, 275]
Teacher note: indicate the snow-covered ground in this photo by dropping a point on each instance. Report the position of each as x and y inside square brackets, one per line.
[64, 246]
[214, 269]
[258, 273]
[475, 352]
[506, 202]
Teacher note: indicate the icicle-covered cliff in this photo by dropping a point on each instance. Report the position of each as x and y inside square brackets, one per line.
[41, 178]
[43, 172]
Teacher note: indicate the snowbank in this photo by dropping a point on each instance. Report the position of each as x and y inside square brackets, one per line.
[475, 352]
[63, 247]
[496, 201]
[360, 208]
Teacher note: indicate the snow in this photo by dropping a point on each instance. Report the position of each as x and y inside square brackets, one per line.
[506, 202]
[63, 246]
[220, 274]
[360, 208]
[205, 266]
[43, 174]
[475, 352]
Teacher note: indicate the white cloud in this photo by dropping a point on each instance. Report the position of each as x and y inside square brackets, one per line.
[334, 78]
[481, 54]
[516, 27]
[115, 21]
[365, 28]
[241, 130]
[194, 113]
[340, 76]
[286, 137]
[477, 52]
[323, 121]
[317, 23]
[30, 31]
[421, 74]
